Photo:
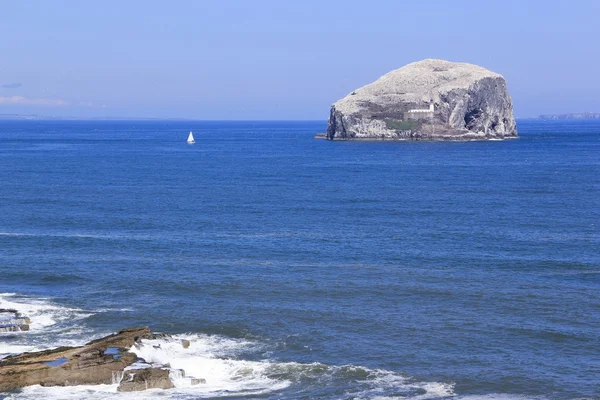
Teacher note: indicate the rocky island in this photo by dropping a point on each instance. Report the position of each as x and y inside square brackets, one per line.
[427, 100]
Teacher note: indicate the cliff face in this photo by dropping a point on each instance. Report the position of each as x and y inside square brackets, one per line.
[427, 100]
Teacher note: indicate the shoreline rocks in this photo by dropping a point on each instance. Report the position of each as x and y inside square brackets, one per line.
[12, 320]
[135, 380]
[427, 100]
[102, 361]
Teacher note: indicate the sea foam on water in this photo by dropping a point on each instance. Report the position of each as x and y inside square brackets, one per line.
[211, 366]
[51, 325]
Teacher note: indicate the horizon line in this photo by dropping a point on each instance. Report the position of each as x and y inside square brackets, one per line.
[15, 117]
[36, 117]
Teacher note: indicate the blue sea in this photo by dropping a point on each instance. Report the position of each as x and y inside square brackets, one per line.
[309, 269]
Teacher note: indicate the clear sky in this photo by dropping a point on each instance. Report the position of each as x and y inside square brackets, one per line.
[278, 59]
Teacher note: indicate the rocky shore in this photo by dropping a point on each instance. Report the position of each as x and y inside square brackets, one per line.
[12, 320]
[103, 361]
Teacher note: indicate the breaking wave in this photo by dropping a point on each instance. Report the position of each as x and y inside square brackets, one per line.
[228, 367]
[52, 325]
[220, 362]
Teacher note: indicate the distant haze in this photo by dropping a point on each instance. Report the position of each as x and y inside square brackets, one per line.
[278, 59]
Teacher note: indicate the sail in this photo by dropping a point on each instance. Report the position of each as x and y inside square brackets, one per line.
[191, 138]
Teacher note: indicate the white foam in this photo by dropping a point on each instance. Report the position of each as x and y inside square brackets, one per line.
[51, 325]
[84, 235]
[382, 381]
[105, 309]
[96, 392]
[216, 359]
[500, 396]
[211, 358]
[42, 311]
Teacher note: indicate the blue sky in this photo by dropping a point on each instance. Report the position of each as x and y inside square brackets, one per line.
[267, 59]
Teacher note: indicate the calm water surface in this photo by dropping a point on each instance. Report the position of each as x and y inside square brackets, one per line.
[303, 268]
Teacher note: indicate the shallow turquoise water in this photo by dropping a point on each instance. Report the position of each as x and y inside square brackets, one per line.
[305, 268]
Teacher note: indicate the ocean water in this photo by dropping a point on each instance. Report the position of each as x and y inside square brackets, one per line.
[308, 269]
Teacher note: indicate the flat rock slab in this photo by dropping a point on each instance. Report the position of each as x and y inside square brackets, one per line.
[91, 364]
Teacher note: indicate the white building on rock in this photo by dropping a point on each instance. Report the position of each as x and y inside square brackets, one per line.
[423, 113]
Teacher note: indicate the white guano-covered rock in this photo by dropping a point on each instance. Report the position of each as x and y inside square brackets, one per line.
[427, 100]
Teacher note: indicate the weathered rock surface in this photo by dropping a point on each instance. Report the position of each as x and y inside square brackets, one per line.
[102, 361]
[427, 100]
[142, 379]
[94, 363]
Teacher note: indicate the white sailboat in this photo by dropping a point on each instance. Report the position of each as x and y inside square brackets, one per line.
[191, 138]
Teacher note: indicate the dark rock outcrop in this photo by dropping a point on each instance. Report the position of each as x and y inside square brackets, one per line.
[427, 100]
[142, 379]
[13, 321]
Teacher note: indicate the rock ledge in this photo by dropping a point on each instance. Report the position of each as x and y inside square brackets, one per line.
[102, 361]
